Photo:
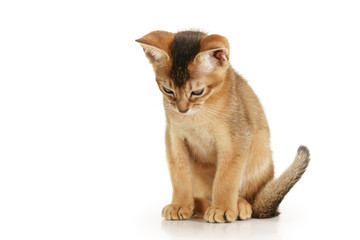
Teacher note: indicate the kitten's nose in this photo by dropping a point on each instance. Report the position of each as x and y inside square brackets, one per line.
[183, 110]
[182, 104]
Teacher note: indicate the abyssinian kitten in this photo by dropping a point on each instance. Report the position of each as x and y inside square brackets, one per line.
[217, 135]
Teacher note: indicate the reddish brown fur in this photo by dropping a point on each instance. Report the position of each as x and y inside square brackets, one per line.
[219, 157]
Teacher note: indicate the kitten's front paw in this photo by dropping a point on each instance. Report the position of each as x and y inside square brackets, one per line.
[219, 215]
[176, 212]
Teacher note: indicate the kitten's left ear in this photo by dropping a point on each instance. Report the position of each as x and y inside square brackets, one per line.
[214, 52]
[156, 46]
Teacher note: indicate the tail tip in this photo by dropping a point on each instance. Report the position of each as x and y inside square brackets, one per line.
[303, 150]
[304, 154]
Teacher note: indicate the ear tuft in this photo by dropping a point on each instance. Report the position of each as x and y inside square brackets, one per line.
[154, 54]
[221, 55]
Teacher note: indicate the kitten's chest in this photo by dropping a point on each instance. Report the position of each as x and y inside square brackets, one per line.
[201, 143]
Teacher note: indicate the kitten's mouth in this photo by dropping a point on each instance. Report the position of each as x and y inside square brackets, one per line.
[188, 112]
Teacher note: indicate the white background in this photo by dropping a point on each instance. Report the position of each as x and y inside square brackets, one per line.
[82, 125]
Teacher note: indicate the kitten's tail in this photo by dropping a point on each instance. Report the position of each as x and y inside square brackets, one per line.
[268, 199]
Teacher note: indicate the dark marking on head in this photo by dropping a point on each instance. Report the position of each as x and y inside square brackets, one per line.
[183, 49]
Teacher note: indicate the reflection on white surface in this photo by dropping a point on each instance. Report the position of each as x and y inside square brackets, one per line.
[198, 228]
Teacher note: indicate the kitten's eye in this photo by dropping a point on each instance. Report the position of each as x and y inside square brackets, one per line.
[198, 93]
[168, 91]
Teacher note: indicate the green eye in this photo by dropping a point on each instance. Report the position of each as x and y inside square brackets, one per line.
[168, 91]
[197, 93]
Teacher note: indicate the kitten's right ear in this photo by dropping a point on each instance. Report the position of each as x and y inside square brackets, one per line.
[156, 46]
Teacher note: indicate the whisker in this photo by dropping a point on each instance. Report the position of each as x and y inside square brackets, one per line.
[170, 108]
[221, 110]
[220, 107]
[207, 114]
[214, 113]
[219, 113]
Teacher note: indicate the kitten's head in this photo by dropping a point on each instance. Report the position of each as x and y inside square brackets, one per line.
[189, 66]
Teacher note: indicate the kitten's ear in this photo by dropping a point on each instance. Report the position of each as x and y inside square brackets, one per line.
[156, 46]
[214, 51]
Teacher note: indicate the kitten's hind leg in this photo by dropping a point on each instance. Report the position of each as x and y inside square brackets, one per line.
[244, 209]
[201, 204]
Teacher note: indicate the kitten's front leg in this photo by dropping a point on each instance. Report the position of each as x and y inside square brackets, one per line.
[226, 186]
[182, 205]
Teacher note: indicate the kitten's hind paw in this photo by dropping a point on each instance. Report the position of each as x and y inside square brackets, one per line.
[245, 210]
[176, 212]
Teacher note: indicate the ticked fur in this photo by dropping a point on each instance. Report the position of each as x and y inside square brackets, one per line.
[217, 135]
